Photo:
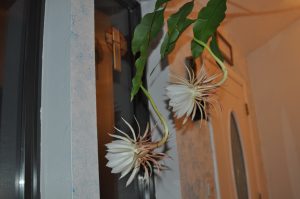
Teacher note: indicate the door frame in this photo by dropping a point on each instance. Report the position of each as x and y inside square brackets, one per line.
[256, 154]
[25, 76]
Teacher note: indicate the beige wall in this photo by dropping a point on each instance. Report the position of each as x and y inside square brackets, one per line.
[274, 99]
[274, 70]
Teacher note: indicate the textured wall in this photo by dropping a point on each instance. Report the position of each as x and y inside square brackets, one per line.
[83, 101]
[196, 165]
[69, 165]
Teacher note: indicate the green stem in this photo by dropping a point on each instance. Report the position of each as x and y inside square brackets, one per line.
[161, 118]
[221, 64]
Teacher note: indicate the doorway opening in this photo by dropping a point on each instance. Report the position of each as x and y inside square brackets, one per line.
[115, 21]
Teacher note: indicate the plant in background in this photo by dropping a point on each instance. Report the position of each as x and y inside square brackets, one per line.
[127, 154]
[192, 95]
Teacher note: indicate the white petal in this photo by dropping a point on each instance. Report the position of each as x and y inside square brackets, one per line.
[118, 150]
[130, 127]
[122, 133]
[127, 169]
[194, 111]
[176, 90]
[146, 131]
[190, 105]
[181, 98]
[123, 165]
[121, 138]
[139, 128]
[133, 174]
[181, 108]
[179, 101]
[119, 144]
[119, 155]
[115, 162]
[182, 111]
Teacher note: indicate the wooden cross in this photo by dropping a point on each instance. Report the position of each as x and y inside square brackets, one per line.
[117, 43]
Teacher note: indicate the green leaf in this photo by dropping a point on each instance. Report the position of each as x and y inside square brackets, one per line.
[209, 18]
[149, 27]
[186, 23]
[137, 80]
[215, 47]
[159, 3]
[164, 46]
[174, 36]
[144, 33]
[180, 16]
[157, 24]
[177, 23]
[195, 49]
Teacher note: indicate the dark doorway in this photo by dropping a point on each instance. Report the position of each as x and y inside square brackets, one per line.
[115, 21]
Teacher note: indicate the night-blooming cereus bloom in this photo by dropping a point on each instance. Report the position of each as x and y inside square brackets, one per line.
[126, 154]
[189, 94]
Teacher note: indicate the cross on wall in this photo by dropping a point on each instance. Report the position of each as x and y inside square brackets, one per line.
[117, 43]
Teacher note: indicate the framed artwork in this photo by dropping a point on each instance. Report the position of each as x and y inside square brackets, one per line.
[226, 48]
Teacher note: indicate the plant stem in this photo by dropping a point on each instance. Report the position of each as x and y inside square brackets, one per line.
[161, 118]
[221, 64]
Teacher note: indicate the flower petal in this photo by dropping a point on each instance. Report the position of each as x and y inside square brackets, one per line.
[187, 94]
[131, 129]
[121, 138]
[119, 144]
[123, 165]
[115, 162]
[127, 169]
[133, 174]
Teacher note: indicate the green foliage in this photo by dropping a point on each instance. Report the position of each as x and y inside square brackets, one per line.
[206, 24]
[160, 3]
[177, 23]
[209, 18]
[144, 33]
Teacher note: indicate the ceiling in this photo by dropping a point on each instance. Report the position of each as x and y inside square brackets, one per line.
[251, 23]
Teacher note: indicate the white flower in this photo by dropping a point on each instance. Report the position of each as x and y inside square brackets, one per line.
[188, 95]
[127, 154]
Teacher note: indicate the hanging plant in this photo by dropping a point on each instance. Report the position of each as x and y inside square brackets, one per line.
[187, 96]
[128, 155]
[190, 96]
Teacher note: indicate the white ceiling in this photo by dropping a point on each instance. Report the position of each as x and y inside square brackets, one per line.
[251, 23]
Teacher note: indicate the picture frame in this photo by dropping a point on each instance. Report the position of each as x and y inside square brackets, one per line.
[225, 48]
